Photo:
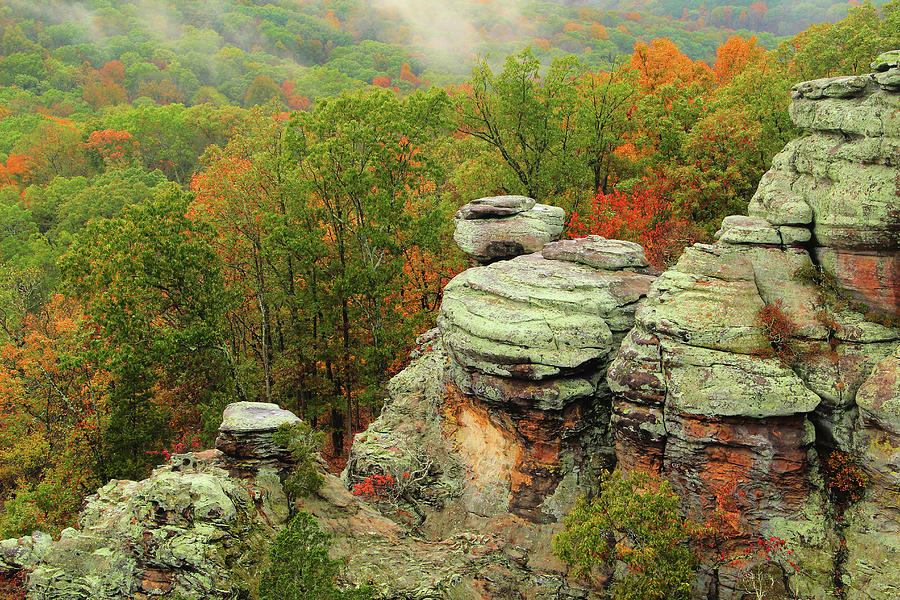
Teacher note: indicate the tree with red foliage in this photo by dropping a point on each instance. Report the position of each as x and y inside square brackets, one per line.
[645, 215]
[114, 148]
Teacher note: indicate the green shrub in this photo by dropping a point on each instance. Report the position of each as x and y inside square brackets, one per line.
[634, 520]
[300, 567]
[303, 444]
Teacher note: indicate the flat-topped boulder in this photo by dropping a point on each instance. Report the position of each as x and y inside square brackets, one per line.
[495, 207]
[737, 229]
[247, 428]
[598, 252]
[531, 318]
[503, 227]
[832, 87]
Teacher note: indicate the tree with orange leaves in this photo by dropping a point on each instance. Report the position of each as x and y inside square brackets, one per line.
[53, 149]
[735, 55]
[53, 409]
[113, 148]
[661, 62]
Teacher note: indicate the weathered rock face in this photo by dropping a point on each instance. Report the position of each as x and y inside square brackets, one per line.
[840, 180]
[200, 527]
[508, 410]
[741, 372]
[530, 339]
[700, 396]
[245, 435]
[501, 227]
[872, 567]
[191, 528]
[451, 557]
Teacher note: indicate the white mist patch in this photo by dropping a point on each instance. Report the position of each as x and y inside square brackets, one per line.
[451, 26]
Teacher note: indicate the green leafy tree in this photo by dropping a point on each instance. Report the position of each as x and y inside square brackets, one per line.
[634, 520]
[300, 567]
[602, 122]
[528, 118]
[153, 282]
[846, 47]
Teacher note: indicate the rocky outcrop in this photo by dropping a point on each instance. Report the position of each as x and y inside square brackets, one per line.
[245, 436]
[872, 534]
[510, 406]
[754, 357]
[191, 528]
[840, 181]
[200, 527]
[502, 227]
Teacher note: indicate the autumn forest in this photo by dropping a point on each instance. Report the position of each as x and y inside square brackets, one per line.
[253, 199]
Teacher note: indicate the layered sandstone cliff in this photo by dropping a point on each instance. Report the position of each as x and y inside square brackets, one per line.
[755, 358]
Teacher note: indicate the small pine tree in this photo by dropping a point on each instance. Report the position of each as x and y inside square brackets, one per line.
[300, 567]
[303, 443]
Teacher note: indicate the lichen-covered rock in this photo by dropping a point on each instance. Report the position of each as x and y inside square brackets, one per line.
[699, 395]
[409, 437]
[887, 70]
[528, 342]
[21, 553]
[748, 230]
[598, 252]
[886, 61]
[872, 534]
[531, 318]
[452, 556]
[502, 227]
[247, 428]
[198, 527]
[842, 179]
[190, 529]
[740, 372]
[495, 207]
[449, 451]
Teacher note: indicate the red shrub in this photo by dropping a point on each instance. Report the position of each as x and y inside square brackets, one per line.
[779, 329]
[644, 216]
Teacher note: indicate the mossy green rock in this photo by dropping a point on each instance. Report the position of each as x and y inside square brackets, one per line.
[190, 529]
[487, 233]
[532, 318]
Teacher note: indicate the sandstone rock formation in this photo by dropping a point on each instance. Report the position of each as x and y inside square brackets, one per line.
[191, 528]
[245, 435]
[872, 534]
[513, 391]
[200, 527]
[501, 227]
[754, 358]
[840, 180]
